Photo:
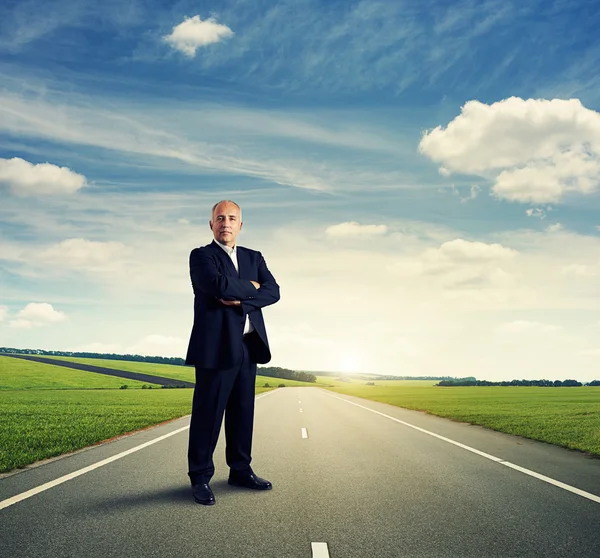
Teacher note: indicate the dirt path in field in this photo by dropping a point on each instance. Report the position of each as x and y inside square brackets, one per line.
[170, 382]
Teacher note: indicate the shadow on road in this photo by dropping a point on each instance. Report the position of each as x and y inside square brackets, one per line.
[174, 495]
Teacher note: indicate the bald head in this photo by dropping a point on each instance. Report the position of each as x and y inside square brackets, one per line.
[226, 222]
[212, 213]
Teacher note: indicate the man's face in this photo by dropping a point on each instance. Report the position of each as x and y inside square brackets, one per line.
[226, 223]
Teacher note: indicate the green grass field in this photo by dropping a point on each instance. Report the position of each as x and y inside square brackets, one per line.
[24, 374]
[48, 410]
[38, 424]
[567, 417]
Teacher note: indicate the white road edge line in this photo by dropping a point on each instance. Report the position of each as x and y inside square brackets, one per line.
[65, 478]
[568, 487]
[319, 550]
[304, 433]
[42, 487]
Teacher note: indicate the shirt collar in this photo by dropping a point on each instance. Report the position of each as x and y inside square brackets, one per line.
[228, 250]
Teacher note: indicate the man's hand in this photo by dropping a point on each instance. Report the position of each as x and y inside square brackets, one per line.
[230, 302]
[256, 285]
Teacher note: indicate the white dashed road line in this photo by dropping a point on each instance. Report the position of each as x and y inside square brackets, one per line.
[319, 550]
[568, 487]
[304, 433]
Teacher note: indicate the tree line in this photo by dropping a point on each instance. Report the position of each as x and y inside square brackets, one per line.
[540, 383]
[276, 372]
[107, 356]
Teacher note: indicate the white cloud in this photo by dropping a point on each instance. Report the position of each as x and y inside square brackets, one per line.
[159, 345]
[3, 313]
[556, 227]
[85, 255]
[536, 212]
[590, 352]
[464, 250]
[194, 33]
[535, 150]
[37, 314]
[27, 179]
[353, 229]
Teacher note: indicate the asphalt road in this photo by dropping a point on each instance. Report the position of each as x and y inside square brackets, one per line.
[360, 482]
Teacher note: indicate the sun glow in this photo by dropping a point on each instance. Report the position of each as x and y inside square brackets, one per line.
[349, 363]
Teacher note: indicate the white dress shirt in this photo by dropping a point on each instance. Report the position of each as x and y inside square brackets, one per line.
[232, 253]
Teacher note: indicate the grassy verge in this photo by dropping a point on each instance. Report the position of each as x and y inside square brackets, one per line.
[39, 424]
[567, 417]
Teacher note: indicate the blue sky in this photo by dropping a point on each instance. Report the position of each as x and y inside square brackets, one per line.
[421, 177]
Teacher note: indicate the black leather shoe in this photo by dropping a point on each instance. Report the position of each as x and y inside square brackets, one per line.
[249, 480]
[203, 494]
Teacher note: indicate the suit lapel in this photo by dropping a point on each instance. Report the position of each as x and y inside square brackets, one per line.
[225, 259]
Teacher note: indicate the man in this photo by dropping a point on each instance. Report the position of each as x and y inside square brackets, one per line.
[231, 284]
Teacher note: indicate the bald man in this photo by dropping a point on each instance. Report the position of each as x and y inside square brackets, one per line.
[231, 284]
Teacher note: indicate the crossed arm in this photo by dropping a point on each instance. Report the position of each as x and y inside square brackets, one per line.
[233, 291]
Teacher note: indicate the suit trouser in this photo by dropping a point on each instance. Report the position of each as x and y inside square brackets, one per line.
[217, 392]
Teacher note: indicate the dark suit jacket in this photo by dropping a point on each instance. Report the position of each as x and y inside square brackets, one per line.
[217, 334]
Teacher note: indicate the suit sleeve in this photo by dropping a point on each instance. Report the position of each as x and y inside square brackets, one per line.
[268, 292]
[206, 277]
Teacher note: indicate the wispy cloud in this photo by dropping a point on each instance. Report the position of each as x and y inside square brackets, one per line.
[386, 45]
[206, 140]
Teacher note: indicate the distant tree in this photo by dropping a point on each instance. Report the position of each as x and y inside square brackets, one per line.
[594, 383]
[286, 374]
[470, 381]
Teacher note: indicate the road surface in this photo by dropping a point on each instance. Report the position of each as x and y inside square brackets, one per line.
[362, 478]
